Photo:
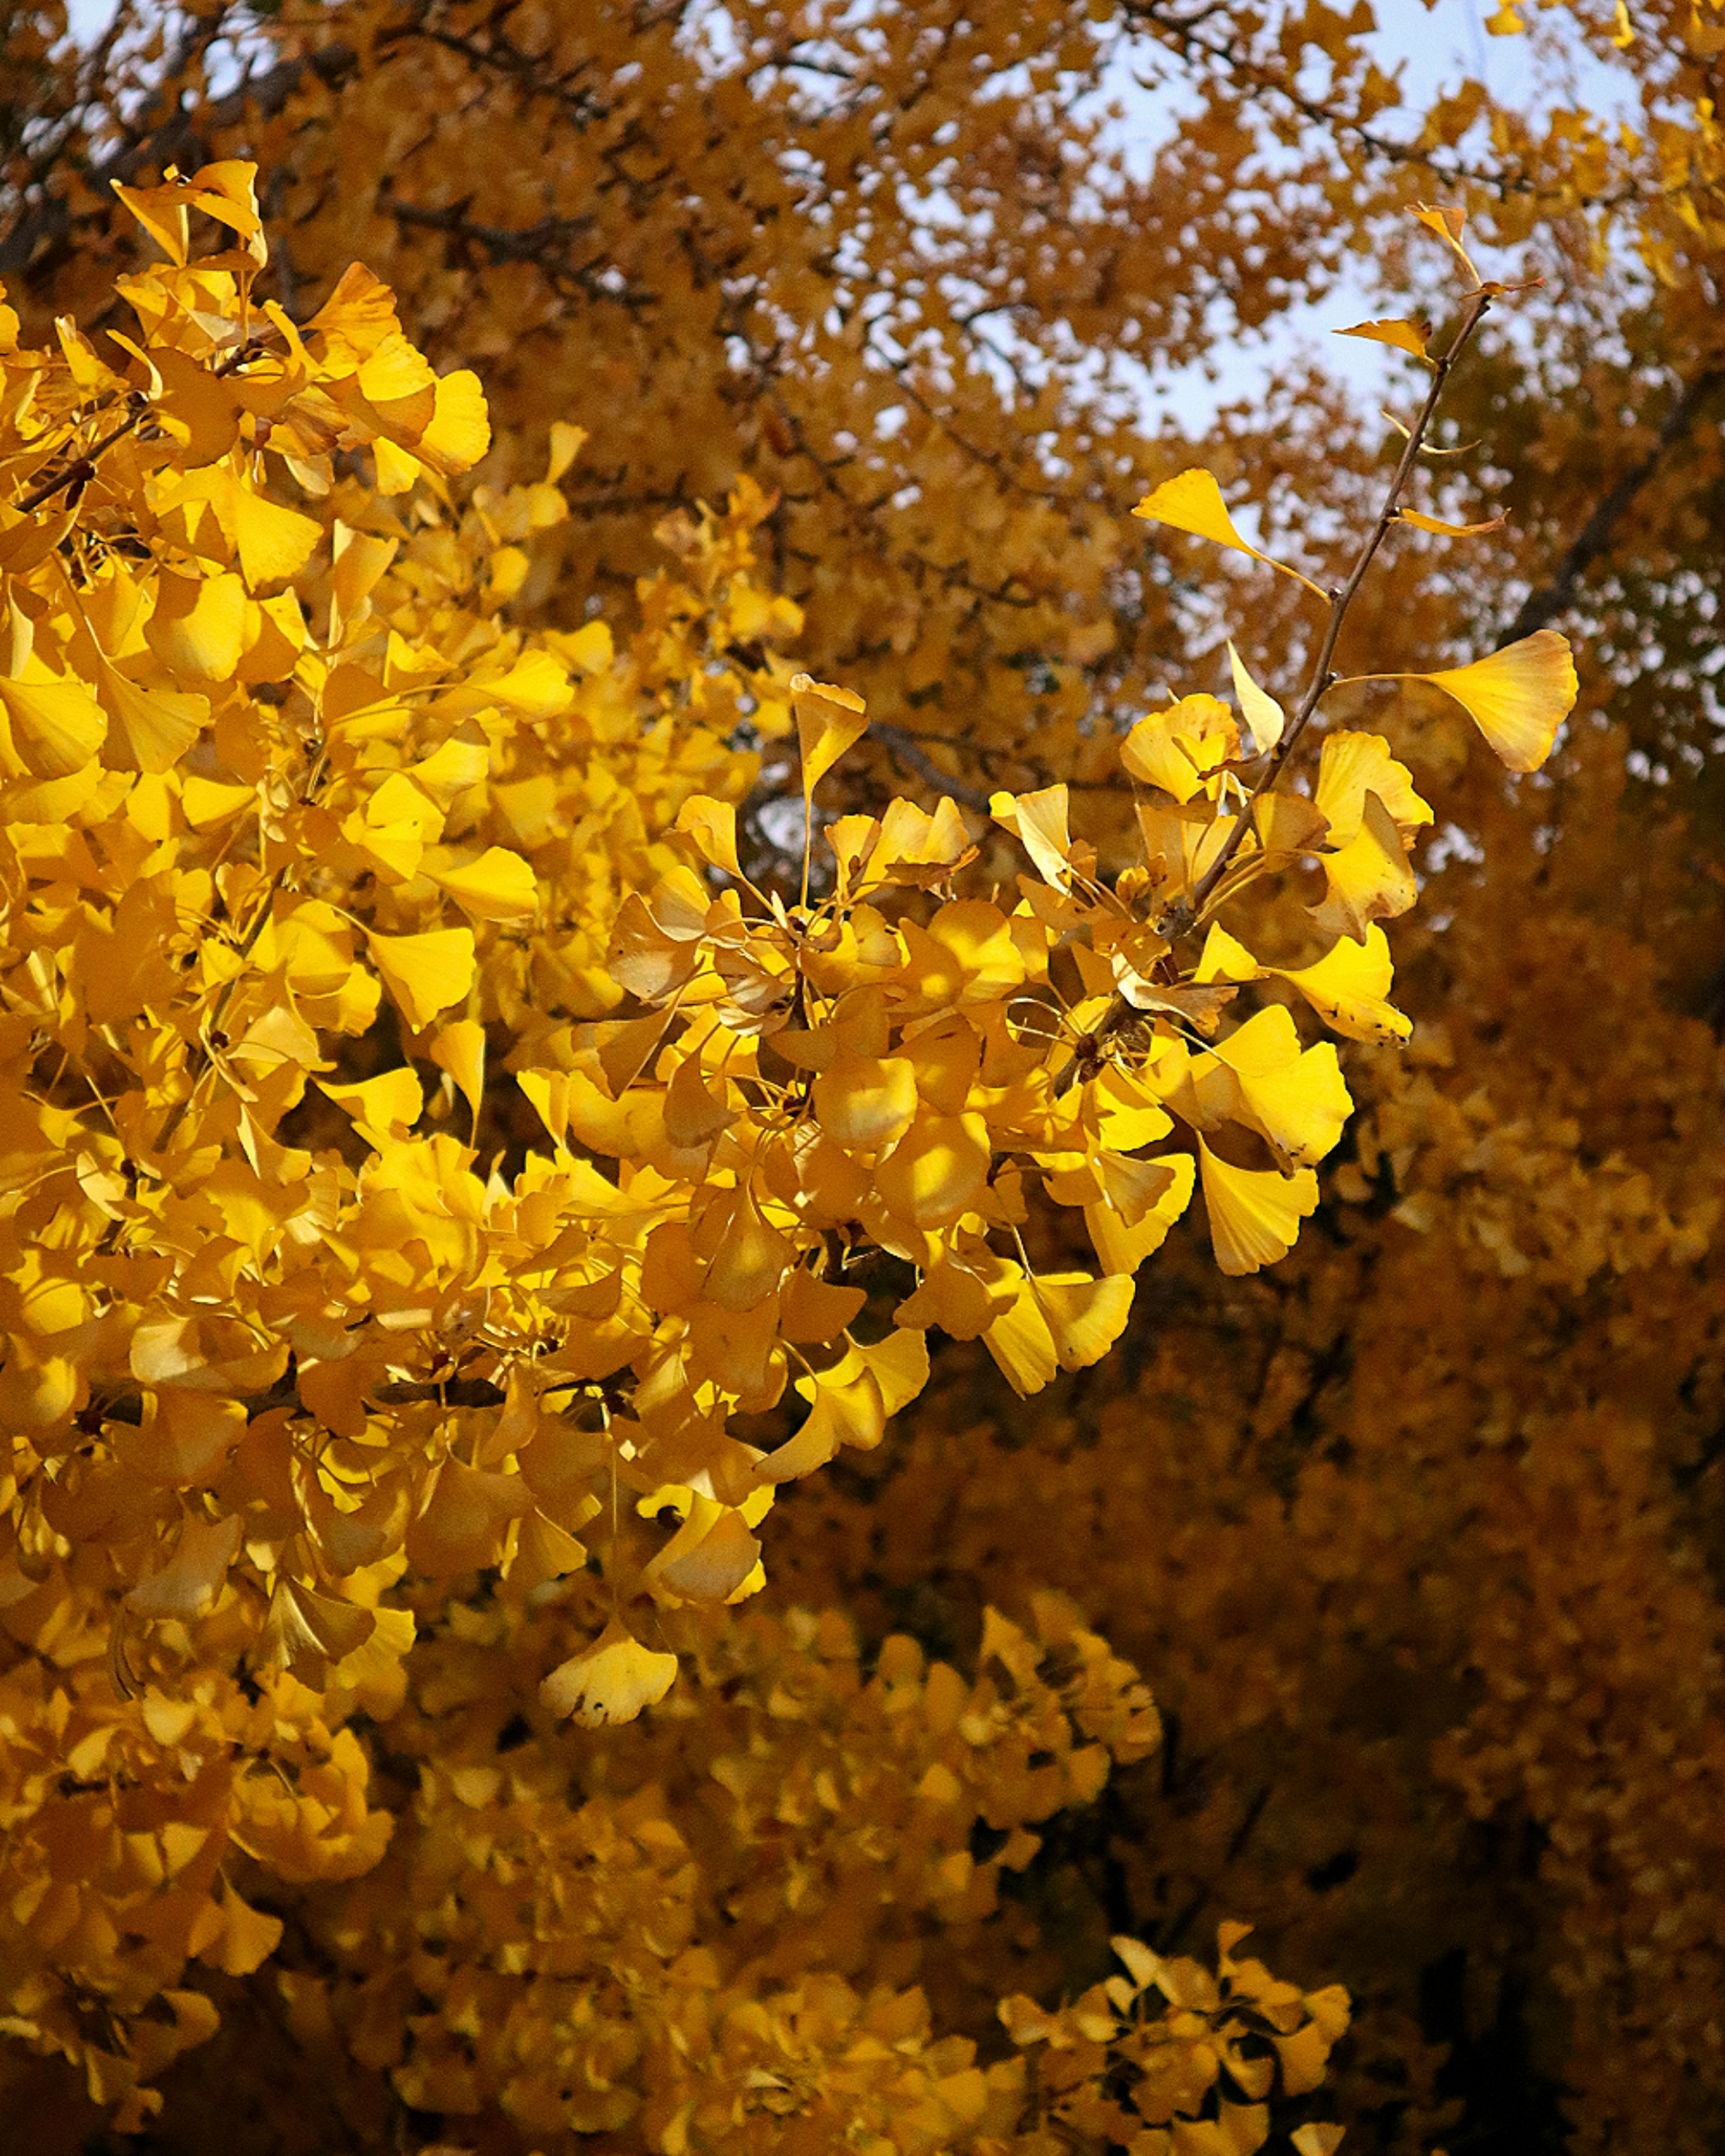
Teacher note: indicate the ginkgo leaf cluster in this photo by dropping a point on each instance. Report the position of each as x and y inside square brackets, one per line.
[293, 814]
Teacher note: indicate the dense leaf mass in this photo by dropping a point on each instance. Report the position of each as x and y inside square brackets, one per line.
[538, 1182]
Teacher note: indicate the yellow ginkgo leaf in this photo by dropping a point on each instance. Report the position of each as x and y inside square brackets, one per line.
[360, 559]
[1085, 1317]
[1191, 501]
[271, 542]
[829, 720]
[305, 1631]
[463, 1517]
[1038, 821]
[565, 442]
[55, 724]
[149, 729]
[161, 211]
[208, 803]
[1255, 1214]
[424, 974]
[1224, 957]
[1261, 712]
[865, 1101]
[738, 1350]
[846, 1407]
[612, 1680]
[917, 848]
[1404, 336]
[1421, 522]
[384, 1109]
[693, 1113]
[500, 885]
[187, 1584]
[460, 1050]
[1369, 879]
[1132, 1187]
[1518, 697]
[899, 1365]
[709, 1557]
[1178, 748]
[459, 432]
[1021, 1341]
[195, 406]
[1295, 1098]
[1446, 220]
[1353, 765]
[1349, 986]
[961, 1301]
[245, 1939]
[937, 1170]
[197, 625]
[747, 1258]
[816, 1310]
[713, 825]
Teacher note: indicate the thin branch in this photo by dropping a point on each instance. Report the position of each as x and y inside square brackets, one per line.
[82, 469]
[179, 140]
[1119, 1012]
[904, 746]
[1341, 600]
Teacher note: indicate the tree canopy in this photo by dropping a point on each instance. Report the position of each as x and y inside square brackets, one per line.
[843, 1196]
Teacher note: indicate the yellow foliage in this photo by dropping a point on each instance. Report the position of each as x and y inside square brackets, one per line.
[296, 816]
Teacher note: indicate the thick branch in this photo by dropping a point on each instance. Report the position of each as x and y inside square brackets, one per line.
[1546, 604]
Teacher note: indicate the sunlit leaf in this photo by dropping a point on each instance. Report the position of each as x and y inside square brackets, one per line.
[612, 1680]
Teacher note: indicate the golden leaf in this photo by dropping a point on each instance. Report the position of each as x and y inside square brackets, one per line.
[1262, 714]
[865, 1101]
[713, 825]
[829, 720]
[937, 1170]
[424, 974]
[1421, 522]
[610, 1681]
[1404, 336]
[1085, 1317]
[500, 885]
[460, 1050]
[1369, 879]
[1191, 501]
[56, 725]
[1349, 986]
[186, 1586]
[1518, 697]
[1179, 748]
[1255, 1214]
[1038, 822]
[1353, 765]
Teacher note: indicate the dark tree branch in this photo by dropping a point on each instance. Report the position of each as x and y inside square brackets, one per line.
[1549, 600]
[181, 139]
[905, 748]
